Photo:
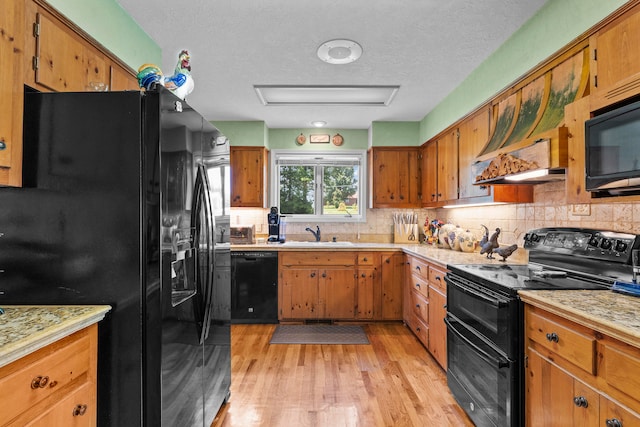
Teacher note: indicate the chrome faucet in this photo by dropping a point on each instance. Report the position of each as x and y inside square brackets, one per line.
[316, 233]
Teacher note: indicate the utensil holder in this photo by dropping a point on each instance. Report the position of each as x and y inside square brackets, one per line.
[405, 233]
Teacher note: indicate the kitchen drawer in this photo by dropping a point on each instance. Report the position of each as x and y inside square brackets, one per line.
[570, 341]
[420, 285]
[317, 258]
[420, 329]
[42, 373]
[77, 409]
[420, 305]
[620, 367]
[436, 278]
[420, 268]
[365, 258]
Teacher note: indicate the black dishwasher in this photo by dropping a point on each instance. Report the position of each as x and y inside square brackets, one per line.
[254, 287]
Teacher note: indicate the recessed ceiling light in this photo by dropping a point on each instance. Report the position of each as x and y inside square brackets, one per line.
[339, 51]
[318, 123]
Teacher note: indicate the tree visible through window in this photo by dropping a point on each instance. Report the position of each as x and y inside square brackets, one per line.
[316, 186]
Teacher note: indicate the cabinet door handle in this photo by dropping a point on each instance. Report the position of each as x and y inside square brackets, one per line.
[3, 145]
[580, 401]
[363, 275]
[313, 274]
[553, 337]
[324, 275]
[79, 410]
[39, 382]
[417, 305]
[387, 261]
[364, 259]
[614, 422]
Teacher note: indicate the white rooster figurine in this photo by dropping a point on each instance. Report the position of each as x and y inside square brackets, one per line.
[181, 82]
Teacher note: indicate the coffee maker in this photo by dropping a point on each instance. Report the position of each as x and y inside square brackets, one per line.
[276, 226]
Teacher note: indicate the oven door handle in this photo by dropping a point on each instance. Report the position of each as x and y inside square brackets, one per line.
[499, 362]
[469, 291]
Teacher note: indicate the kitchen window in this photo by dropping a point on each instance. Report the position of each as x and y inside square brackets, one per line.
[319, 186]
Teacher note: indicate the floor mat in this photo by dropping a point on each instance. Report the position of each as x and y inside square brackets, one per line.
[319, 334]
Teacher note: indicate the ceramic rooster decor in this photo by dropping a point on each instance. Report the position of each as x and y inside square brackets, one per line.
[181, 82]
[149, 75]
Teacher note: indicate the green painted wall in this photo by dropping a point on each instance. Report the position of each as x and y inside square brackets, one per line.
[554, 26]
[354, 139]
[250, 133]
[107, 22]
[395, 133]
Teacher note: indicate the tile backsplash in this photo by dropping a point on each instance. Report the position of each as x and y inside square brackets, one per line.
[548, 210]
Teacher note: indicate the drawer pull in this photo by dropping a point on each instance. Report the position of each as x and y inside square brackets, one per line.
[363, 275]
[39, 382]
[417, 305]
[580, 401]
[614, 422]
[388, 261]
[79, 410]
[365, 259]
[313, 274]
[418, 285]
[3, 145]
[553, 337]
[418, 267]
[438, 279]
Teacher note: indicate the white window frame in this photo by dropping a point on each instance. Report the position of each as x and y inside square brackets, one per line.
[274, 187]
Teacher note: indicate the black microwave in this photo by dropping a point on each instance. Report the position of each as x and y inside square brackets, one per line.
[612, 142]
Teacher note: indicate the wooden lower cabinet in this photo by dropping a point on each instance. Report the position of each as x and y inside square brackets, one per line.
[425, 296]
[391, 283]
[53, 386]
[340, 285]
[576, 376]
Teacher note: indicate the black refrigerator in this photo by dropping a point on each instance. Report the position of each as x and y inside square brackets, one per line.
[126, 202]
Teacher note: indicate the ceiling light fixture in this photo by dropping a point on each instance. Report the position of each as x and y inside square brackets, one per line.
[339, 51]
[377, 96]
[318, 123]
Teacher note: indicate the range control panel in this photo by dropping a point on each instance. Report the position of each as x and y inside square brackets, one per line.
[599, 244]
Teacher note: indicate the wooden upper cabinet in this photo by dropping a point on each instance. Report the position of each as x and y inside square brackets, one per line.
[122, 80]
[11, 91]
[615, 60]
[396, 177]
[248, 177]
[474, 134]
[429, 170]
[448, 166]
[64, 62]
[62, 58]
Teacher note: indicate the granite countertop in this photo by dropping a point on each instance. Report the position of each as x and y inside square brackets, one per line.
[25, 329]
[610, 313]
[429, 252]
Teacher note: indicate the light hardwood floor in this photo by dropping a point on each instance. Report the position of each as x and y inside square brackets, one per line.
[391, 382]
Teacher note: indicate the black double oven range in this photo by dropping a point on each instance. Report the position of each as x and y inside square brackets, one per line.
[485, 322]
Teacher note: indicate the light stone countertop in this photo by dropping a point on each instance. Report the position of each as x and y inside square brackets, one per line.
[608, 312]
[25, 329]
[428, 252]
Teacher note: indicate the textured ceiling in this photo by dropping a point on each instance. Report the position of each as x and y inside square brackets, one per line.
[427, 47]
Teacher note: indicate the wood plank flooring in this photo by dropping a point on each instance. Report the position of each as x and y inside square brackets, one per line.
[391, 382]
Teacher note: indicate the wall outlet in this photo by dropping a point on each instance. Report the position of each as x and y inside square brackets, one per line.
[581, 209]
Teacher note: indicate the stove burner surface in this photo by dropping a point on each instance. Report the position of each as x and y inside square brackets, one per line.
[515, 277]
